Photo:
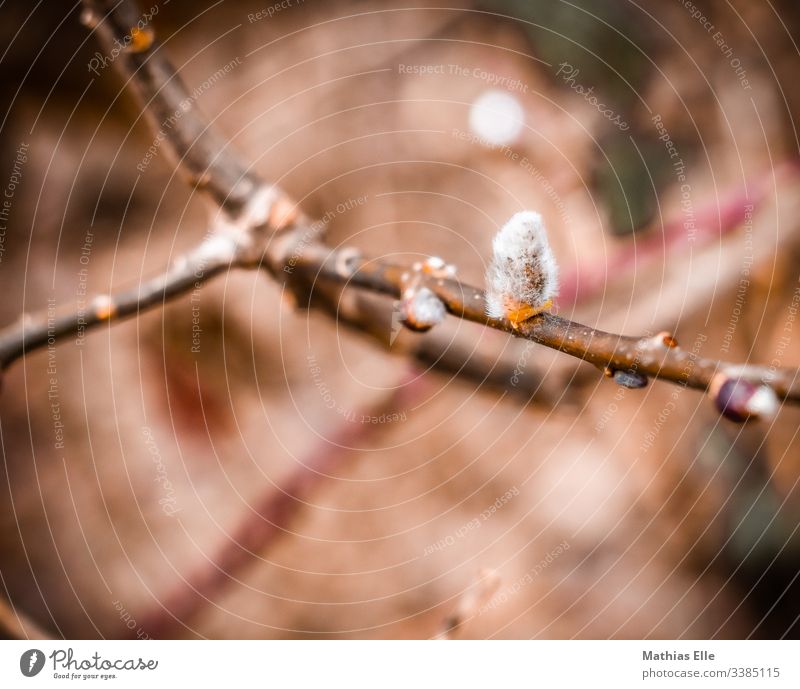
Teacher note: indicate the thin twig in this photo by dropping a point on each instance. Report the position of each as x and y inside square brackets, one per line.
[259, 212]
[656, 357]
[204, 155]
[454, 354]
[34, 332]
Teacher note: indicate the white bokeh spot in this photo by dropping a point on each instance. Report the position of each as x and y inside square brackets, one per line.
[496, 117]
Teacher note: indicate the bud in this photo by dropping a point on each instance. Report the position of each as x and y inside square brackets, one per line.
[522, 278]
[739, 400]
[666, 339]
[89, 18]
[630, 379]
[104, 307]
[141, 39]
[435, 267]
[434, 263]
[421, 309]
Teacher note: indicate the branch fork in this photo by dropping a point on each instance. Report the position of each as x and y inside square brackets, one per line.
[259, 227]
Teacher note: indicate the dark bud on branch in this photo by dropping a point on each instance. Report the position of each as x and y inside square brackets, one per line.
[739, 400]
[629, 379]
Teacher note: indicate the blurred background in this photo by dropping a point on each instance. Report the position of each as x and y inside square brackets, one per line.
[236, 466]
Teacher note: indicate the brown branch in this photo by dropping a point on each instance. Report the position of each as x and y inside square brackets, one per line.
[228, 246]
[34, 332]
[169, 106]
[253, 210]
[513, 372]
[656, 357]
[261, 213]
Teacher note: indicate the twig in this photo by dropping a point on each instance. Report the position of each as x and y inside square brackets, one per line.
[33, 332]
[169, 107]
[260, 211]
[656, 357]
[458, 355]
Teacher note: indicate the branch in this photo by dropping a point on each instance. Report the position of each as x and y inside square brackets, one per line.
[266, 230]
[217, 254]
[452, 354]
[169, 106]
[253, 211]
[655, 357]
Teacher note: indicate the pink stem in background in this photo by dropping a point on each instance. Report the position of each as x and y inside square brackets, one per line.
[581, 283]
[271, 517]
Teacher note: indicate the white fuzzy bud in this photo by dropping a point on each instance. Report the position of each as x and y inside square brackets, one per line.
[421, 309]
[522, 277]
